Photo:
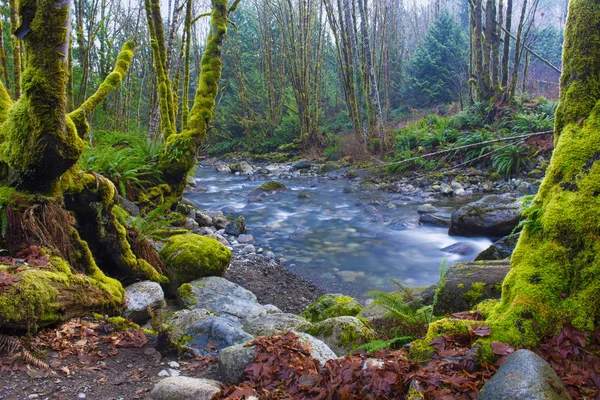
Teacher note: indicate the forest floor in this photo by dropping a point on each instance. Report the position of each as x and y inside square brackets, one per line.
[89, 361]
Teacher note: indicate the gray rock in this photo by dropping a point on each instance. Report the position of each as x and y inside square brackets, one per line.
[242, 167]
[341, 334]
[456, 186]
[236, 227]
[128, 206]
[272, 324]
[409, 223]
[535, 173]
[524, 375]
[203, 219]
[302, 164]
[184, 388]
[501, 249]
[220, 221]
[427, 209]
[468, 283]
[271, 309]
[233, 360]
[221, 297]
[248, 249]
[245, 238]
[211, 334]
[435, 219]
[139, 297]
[446, 189]
[191, 224]
[494, 215]
[223, 168]
[459, 248]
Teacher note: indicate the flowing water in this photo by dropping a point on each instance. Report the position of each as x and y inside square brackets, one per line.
[330, 239]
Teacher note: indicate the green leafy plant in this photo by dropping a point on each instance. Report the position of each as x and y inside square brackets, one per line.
[509, 160]
[530, 213]
[402, 306]
[441, 280]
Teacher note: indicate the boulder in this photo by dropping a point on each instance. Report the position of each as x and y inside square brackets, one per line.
[190, 256]
[405, 224]
[446, 189]
[494, 215]
[233, 360]
[465, 284]
[459, 248]
[128, 206]
[221, 297]
[332, 305]
[223, 168]
[524, 375]
[267, 188]
[435, 219]
[427, 209]
[501, 249]
[236, 227]
[302, 164]
[341, 334]
[203, 220]
[139, 297]
[184, 388]
[241, 167]
[328, 167]
[220, 221]
[272, 324]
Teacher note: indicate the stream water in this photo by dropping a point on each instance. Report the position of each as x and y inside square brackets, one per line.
[330, 239]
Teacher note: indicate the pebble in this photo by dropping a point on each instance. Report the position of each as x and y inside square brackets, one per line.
[173, 364]
[33, 396]
[174, 372]
[163, 373]
[81, 395]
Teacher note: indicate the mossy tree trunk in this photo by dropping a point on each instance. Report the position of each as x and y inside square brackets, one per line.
[555, 274]
[40, 145]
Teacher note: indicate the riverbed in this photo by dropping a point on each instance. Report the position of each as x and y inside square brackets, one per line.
[342, 237]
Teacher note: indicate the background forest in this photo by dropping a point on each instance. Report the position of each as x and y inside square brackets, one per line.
[339, 75]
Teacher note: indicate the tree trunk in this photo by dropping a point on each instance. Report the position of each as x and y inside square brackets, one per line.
[555, 275]
[14, 24]
[506, 46]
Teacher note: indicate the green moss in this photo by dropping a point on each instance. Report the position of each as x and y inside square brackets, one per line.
[475, 293]
[121, 324]
[190, 256]
[42, 297]
[461, 285]
[332, 305]
[185, 292]
[272, 186]
[421, 350]
[121, 215]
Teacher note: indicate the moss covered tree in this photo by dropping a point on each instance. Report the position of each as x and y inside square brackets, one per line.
[40, 183]
[555, 275]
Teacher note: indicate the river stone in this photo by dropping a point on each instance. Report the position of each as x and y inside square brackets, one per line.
[435, 219]
[468, 283]
[184, 388]
[494, 215]
[220, 221]
[203, 219]
[331, 305]
[241, 167]
[272, 324]
[236, 227]
[128, 206]
[233, 359]
[524, 375]
[446, 189]
[406, 224]
[427, 209]
[267, 189]
[302, 164]
[223, 168]
[459, 248]
[328, 167]
[221, 297]
[211, 333]
[501, 249]
[341, 334]
[245, 238]
[139, 297]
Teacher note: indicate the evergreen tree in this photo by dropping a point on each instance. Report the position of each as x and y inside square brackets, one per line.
[437, 71]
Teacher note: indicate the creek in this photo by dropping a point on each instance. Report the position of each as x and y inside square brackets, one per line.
[329, 234]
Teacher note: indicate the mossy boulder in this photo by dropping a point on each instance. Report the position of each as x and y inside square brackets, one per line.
[501, 249]
[494, 215]
[328, 167]
[468, 283]
[421, 350]
[34, 297]
[330, 306]
[341, 334]
[188, 257]
[236, 227]
[267, 188]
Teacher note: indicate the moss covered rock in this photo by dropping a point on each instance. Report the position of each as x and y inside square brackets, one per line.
[332, 305]
[34, 297]
[188, 257]
[268, 188]
[494, 215]
[341, 334]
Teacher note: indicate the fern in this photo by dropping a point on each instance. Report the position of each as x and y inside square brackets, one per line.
[376, 345]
